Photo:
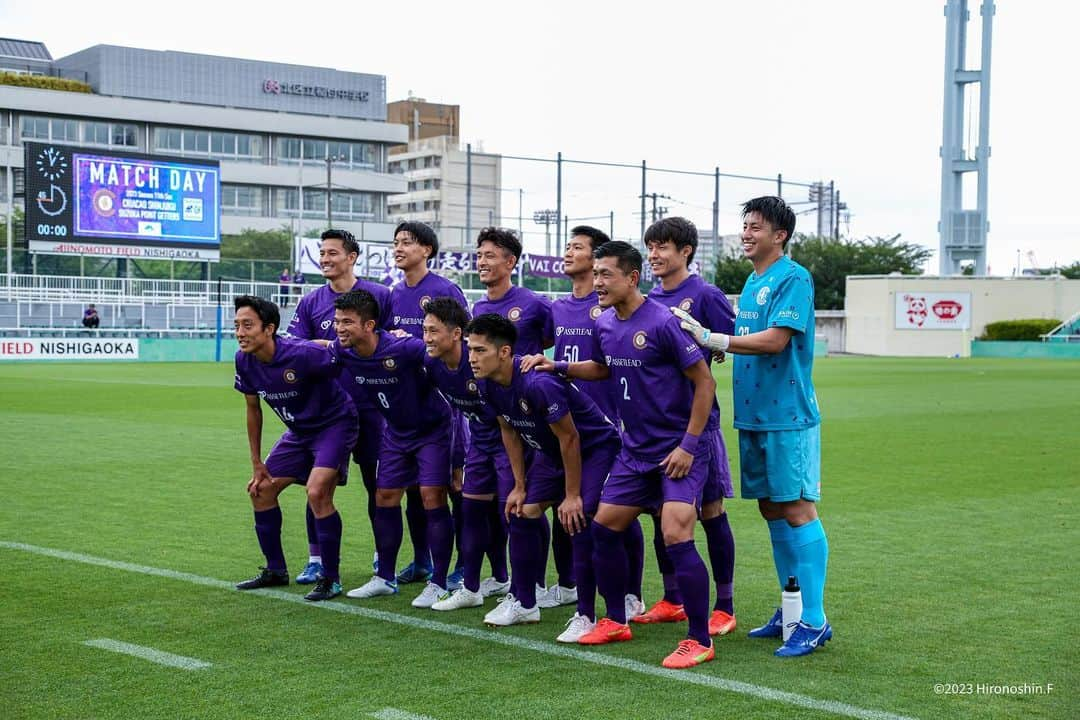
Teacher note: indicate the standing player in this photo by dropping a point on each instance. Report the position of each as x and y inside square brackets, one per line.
[414, 244]
[671, 243]
[776, 413]
[664, 392]
[297, 380]
[314, 320]
[488, 477]
[574, 318]
[573, 446]
[498, 252]
[389, 371]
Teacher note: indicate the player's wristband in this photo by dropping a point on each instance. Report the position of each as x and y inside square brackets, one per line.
[689, 443]
[562, 367]
[717, 341]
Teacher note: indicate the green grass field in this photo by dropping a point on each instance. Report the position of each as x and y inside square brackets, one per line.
[950, 491]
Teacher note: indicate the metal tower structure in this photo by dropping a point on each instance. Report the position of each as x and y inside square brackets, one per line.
[963, 231]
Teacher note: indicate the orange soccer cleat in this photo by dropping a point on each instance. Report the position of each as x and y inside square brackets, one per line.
[662, 612]
[606, 631]
[688, 654]
[720, 623]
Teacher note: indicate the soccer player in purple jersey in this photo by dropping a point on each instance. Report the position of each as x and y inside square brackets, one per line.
[498, 251]
[671, 244]
[573, 446]
[488, 478]
[574, 318]
[664, 392]
[389, 370]
[414, 245]
[297, 379]
[314, 320]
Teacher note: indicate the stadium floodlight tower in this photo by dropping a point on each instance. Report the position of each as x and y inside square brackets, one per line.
[963, 232]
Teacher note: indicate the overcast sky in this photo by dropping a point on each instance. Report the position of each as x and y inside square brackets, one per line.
[842, 90]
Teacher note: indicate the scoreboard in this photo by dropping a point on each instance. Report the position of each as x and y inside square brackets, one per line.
[88, 202]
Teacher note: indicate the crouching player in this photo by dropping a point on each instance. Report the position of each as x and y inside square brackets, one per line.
[664, 392]
[488, 477]
[389, 371]
[297, 379]
[573, 446]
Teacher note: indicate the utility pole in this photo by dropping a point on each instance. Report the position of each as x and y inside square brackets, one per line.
[657, 212]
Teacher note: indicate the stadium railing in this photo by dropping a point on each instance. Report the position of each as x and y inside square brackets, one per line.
[1068, 331]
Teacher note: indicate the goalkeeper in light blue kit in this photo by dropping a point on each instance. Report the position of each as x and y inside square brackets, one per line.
[776, 412]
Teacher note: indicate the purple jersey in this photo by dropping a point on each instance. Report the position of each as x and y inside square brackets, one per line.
[709, 306]
[462, 390]
[530, 313]
[647, 354]
[298, 384]
[575, 321]
[407, 303]
[395, 381]
[535, 400]
[314, 316]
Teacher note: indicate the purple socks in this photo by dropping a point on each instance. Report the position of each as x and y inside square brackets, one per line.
[312, 531]
[667, 568]
[440, 538]
[694, 582]
[388, 540]
[496, 547]
[634, 541]
[474, 536]
[721, 545]
[583, 573]
[417, 518]
[609, 564]
[329, 530]
[562, 547]
[525, 550]
[268, 530]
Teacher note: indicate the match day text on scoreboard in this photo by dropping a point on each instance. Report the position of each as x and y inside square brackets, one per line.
[69, 349]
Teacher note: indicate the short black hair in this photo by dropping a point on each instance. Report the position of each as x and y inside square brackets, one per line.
[596, 236]
[360, 302]
[348, 242]
[423, 234]
[448, 311]
[774, 211]
[627, 256]
[502, 237]
[677, 230]
[495, 328]
[267, 311]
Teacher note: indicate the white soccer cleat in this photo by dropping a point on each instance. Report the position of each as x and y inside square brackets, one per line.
[575, 628]
[430, 595]
[490, 587]
[496, 612]
[459, 600]
[514, 614]
[555, 596]
[634, 607]
[374, 587]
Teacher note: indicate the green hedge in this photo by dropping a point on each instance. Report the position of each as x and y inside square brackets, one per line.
[44, 82]
[1019, 329]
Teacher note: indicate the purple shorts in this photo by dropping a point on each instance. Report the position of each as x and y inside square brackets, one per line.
[546, 481]
[294, 455]
[488, 473]
[459, 450]
[718, 483]
[424, 461]
[369, 440]
[639, 483]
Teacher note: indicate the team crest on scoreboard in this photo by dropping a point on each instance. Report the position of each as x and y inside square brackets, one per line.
[289, 375]
[640, 340]
[424, 301]
[389, 363]
[471, 387]
[686, 304]
[594, 311]
[524, 405]
[514, 314]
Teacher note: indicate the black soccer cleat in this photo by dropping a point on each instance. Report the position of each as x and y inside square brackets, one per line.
[325, 588]
[266, 578]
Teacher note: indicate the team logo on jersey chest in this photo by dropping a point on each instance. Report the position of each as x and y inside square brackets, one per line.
[325, 324]
[686, 304]
[640, 340]
[424, 301]
[389, 363]
[594, 311]
[763, 295]
[524, 405]
[289, 375]
[471, 387]
[514, 314]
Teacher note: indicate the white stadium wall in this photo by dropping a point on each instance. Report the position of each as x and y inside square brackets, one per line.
[916, 315]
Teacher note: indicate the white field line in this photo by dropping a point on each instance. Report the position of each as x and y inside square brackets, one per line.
[148, 653]
[395, 714]
[700, 679]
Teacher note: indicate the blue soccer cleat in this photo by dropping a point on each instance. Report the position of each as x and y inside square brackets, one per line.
[455, 580]
[415, 573]
[772, 629]
[309, 574]
[805, 640]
